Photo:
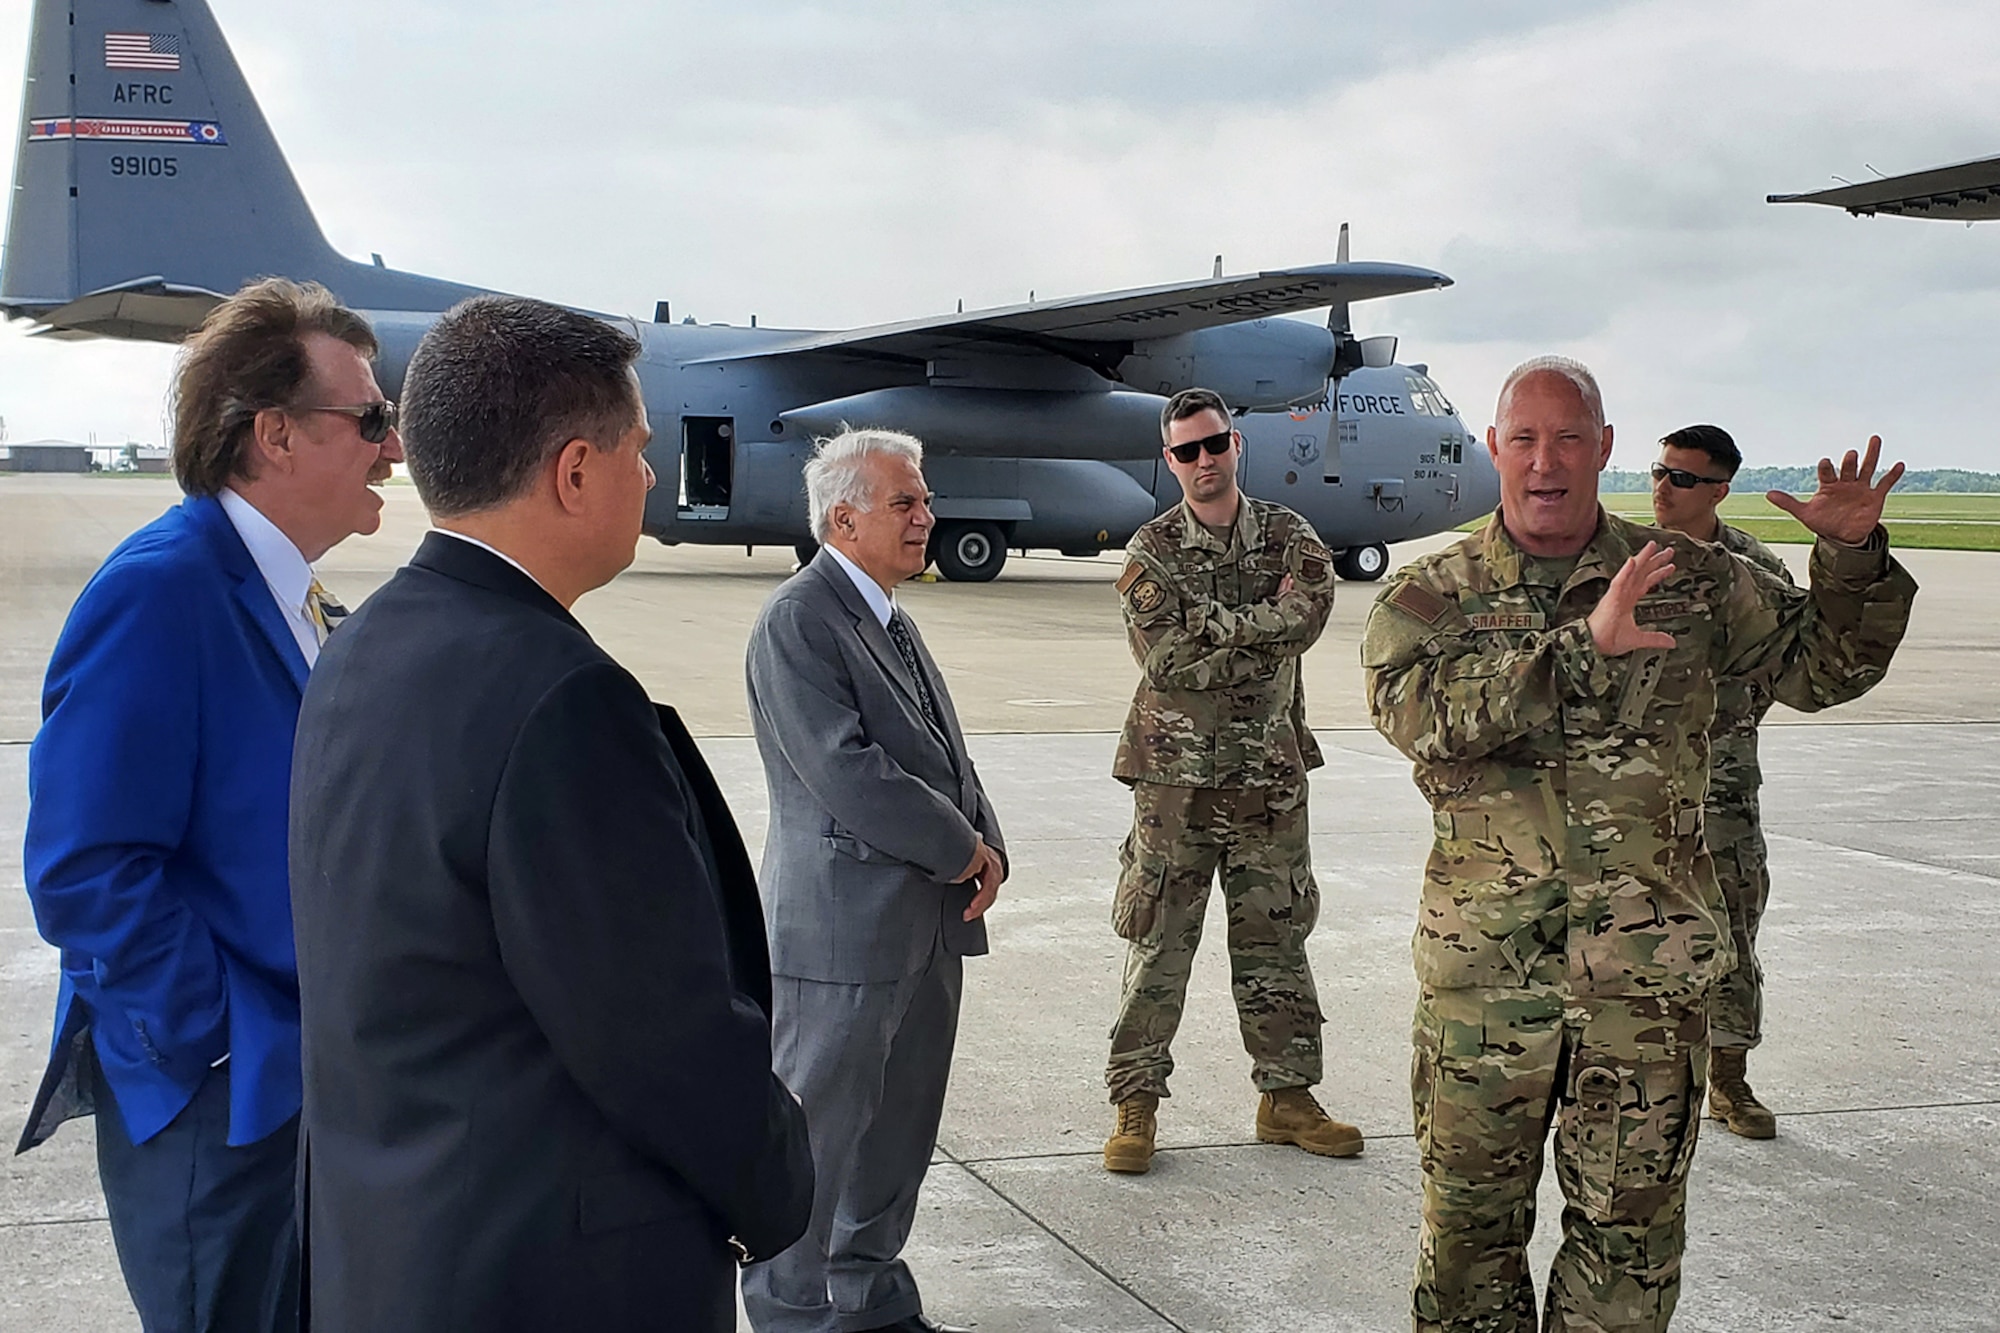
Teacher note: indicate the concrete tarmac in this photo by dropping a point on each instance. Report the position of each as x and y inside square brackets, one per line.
[1872, 1210]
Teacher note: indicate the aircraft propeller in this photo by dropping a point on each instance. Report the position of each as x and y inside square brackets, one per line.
[1349, 355]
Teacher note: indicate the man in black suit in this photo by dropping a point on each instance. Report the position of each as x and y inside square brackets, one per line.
[532, 966]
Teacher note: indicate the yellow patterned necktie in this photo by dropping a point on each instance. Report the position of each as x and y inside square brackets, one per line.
[324, 612]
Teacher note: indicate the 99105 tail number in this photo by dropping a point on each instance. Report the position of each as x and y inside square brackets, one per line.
[141, 164]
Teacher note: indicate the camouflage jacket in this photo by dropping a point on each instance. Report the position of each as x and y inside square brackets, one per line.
[1219, 702]
[1566, 787]
[1740, 704]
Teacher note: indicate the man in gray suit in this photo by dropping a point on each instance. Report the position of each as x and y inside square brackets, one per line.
[881, 860]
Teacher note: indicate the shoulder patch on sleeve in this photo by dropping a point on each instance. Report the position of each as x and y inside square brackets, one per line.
[1130, 576]
[1420, 602]
[1147, 596]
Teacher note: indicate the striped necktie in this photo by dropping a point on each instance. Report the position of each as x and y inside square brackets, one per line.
[324, 612]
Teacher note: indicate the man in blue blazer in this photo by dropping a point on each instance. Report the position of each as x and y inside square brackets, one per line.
[156, 855]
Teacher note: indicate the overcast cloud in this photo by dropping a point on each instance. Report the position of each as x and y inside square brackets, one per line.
[1592, 175]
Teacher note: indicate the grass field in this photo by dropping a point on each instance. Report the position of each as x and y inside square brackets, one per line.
[1947, 522]
[1939, 522]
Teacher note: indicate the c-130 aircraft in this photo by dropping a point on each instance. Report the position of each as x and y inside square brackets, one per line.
[148, 183]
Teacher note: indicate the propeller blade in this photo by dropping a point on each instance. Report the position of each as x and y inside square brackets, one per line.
[1336, 318]
[1329, 452]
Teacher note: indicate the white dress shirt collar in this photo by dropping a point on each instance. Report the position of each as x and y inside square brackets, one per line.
[284, 568]
[491, 550]
[878, 599]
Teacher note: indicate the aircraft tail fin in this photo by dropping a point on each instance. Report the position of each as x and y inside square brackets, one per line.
[148, 183]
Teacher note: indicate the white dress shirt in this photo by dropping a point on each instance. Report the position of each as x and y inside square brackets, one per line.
[284, 568]
[878, 598]
[490, 550]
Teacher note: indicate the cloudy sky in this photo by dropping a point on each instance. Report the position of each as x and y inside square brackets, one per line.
[1592, 175]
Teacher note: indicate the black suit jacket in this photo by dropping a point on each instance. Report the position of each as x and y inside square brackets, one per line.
[534, 981]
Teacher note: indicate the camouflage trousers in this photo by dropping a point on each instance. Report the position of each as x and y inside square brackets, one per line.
[1736, 842]
[1621, 1082]
[1181, 838]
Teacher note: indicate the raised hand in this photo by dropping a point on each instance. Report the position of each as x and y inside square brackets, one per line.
[1611, 624]
[1848, 504]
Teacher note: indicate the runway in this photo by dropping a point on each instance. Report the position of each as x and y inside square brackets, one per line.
[1872, 1210]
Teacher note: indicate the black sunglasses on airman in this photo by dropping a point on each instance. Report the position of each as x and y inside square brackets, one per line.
[1685, 481]
[1215, 444]
[376, 419]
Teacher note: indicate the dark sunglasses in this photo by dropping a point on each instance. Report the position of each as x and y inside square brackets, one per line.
[376, 419]
[1685, 481]
[1215, 444]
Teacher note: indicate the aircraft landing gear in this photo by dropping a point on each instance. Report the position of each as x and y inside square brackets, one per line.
[805, 551]
[1362, 564]
[968, 552]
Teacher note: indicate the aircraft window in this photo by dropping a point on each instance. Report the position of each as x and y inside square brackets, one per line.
[1419, 399]
[1427, 398]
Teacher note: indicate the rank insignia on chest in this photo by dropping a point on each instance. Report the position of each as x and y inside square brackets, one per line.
[1493, 620]
[1147, 596]
[1664, 608]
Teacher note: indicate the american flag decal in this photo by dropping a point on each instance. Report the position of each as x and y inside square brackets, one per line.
[141, 50]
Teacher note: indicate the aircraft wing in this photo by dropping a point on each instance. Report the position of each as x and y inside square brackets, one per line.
[1104, 326]
[1963, 192]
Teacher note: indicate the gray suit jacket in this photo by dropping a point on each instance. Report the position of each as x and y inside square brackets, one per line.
[873, 811]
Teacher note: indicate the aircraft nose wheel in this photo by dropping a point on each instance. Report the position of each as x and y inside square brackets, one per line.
[969, 552]
[1362, 564]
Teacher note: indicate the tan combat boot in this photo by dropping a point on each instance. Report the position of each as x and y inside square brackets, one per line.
[1730, 1099]
[1130, 1147]
[1290, 1115]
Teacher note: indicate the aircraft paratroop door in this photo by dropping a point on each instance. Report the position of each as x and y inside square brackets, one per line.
[707, 465]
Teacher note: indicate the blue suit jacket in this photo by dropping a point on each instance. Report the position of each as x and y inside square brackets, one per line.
[155, 854]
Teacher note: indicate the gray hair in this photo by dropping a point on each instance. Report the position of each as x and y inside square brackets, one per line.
[833, 473]
[1574, 371]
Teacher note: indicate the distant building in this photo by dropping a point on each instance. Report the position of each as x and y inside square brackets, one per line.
[47, 456]
[131, 456]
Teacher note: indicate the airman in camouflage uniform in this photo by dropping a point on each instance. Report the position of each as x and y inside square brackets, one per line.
[1690, 480]
[1221, 595]
[1554, 678]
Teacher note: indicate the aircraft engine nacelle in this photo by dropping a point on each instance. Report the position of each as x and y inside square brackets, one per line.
[999, 423]
[1258, 366]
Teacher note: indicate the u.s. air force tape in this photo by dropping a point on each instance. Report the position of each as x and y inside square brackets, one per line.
[1661, 608]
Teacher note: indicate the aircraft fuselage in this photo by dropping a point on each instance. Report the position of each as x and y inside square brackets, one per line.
[729, 460]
